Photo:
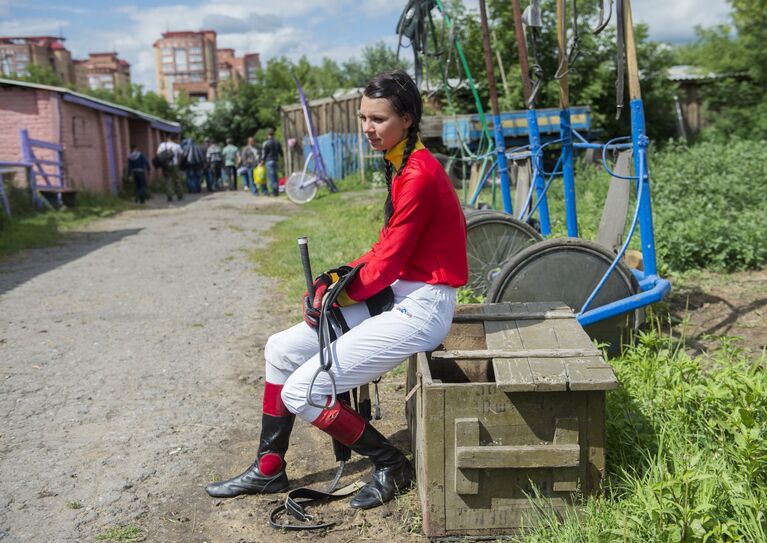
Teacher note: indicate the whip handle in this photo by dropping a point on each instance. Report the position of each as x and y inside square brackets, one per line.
[303, 248]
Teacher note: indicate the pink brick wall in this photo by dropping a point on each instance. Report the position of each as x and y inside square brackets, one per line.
[25, 108]
[84, 154]
[78, 128]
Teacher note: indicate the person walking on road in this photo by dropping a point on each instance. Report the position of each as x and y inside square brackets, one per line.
[271, 153]
[168, 156]
[249, 158]
[138, 166]
[215, 160]
[396, 300]
[194, 165]
[231, 158]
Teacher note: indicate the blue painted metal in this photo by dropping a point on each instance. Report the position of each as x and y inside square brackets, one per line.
[468, 129]
[640, 142]
[503, 170]
[659, 289]
[111, 160]
[568, 172]
[542, 204]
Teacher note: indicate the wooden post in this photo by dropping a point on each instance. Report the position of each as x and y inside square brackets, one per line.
[564, 92]
[631, 52]
[491, 86]
[524, 68]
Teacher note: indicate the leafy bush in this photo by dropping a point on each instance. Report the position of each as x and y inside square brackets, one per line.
[709, 205]
[687, 451]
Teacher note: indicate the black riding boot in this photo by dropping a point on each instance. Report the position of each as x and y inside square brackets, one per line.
[267, 474]
[393, 471]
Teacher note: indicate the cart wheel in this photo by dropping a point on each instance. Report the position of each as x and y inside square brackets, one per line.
[493, 237]
[300, 187]
[568, 270]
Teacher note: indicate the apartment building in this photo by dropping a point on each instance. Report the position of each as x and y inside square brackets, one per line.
[186, 61]
[102, 71]
[20, 52]
[252, 63]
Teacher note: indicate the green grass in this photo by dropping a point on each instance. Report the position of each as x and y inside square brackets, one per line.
[30, 228]
[340, 227]
[123, 534]
[687, 437]
[687, 451]
[708, 206]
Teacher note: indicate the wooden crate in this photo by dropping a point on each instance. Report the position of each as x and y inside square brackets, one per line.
[507, 417]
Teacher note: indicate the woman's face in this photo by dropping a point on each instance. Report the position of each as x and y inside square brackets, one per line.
[383, 126]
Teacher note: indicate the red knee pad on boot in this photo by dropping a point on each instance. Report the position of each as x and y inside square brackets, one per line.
[270, 464]
[341, 422]
[273, 404]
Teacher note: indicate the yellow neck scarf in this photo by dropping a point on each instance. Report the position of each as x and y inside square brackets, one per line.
[396, 153]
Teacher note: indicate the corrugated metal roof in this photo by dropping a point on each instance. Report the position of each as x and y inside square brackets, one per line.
[85, 100]
[686, 72]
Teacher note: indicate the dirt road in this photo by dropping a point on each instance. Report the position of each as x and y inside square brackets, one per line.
[130, 376]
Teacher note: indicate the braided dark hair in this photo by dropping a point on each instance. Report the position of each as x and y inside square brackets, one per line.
[402, 93]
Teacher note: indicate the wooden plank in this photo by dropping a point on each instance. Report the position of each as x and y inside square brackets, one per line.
[512, 311]
[466, 435]
[590, 373]
[549, 374]
[596, 441]
[502, 335]
[430, 452]
[513, 375]
[571, 334]
[518, 456]
[539, 334]
[465, 336]
[520, 353]
[566, 431]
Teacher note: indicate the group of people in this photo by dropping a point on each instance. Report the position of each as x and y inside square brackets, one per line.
[218, 167]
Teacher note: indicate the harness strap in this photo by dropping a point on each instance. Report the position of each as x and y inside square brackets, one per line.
[299, 499]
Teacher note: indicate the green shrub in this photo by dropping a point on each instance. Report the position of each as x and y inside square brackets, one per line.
[687, 451]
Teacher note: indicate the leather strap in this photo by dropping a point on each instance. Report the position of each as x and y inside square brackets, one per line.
[299, 499]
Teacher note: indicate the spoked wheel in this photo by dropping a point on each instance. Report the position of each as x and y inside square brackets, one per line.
[493, 238]
[301, 187]
[568, 270]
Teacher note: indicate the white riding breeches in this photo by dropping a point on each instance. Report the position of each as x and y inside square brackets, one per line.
[419, 321]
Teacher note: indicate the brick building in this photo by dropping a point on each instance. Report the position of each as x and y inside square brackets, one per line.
[252, 63]
[102, 71]
[230, 68]
[18, 53]
[186, 61]
[95, 134]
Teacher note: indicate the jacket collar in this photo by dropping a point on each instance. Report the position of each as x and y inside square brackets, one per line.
[396, 153]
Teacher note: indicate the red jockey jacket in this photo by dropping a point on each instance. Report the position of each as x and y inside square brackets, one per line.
[426, 235]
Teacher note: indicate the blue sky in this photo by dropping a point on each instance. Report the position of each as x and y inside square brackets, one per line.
[338, 29]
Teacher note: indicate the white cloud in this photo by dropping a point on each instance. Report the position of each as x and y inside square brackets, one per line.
[32, 27]
[675, 20]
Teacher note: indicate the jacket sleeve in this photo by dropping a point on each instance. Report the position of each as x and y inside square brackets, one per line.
[413, 208]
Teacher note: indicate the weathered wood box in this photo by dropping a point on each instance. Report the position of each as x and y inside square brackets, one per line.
[507, 417]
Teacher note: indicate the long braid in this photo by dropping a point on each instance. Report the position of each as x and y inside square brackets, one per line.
[388, 206]
[412, 139]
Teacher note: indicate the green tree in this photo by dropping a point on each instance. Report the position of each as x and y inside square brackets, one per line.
[42, 75]
[591, 78]
[735, 105]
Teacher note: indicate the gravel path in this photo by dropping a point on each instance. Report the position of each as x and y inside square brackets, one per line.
[120, 350]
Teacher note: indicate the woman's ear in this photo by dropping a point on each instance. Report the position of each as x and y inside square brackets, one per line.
[408, 120]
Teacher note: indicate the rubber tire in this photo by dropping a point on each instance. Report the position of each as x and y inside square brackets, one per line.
[299, 195]
[536, 274]
[518, 236]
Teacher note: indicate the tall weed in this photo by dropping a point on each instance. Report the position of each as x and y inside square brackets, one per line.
[687, 451]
